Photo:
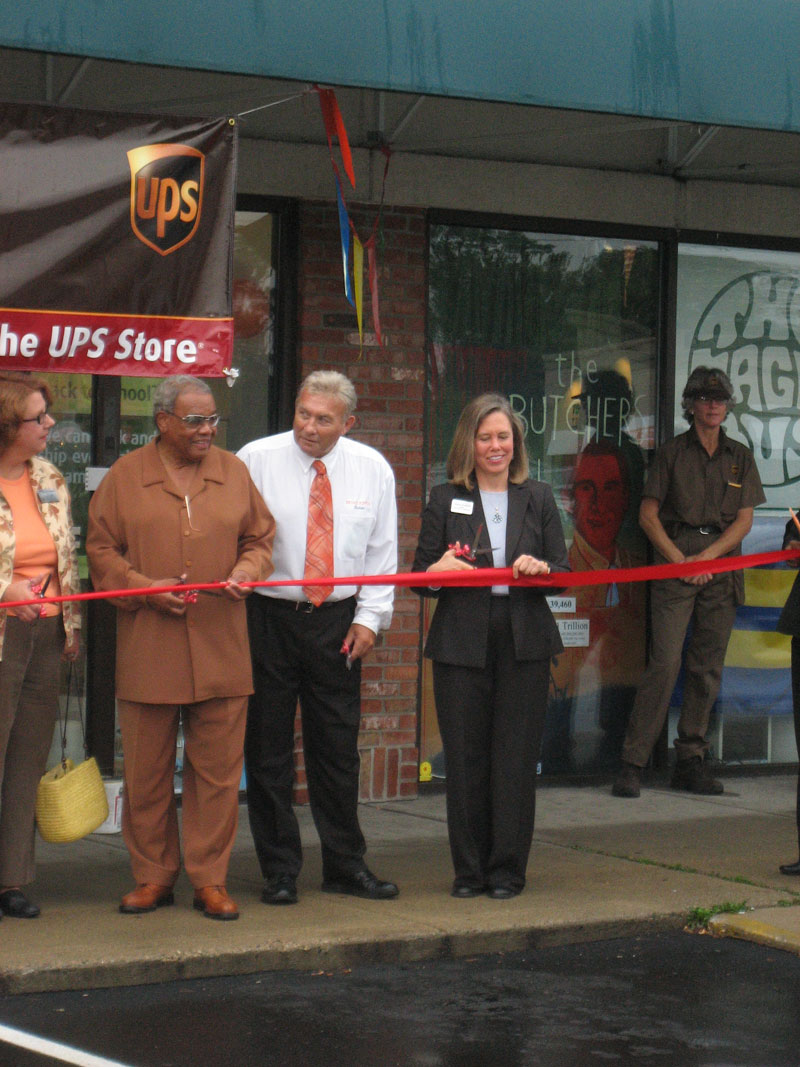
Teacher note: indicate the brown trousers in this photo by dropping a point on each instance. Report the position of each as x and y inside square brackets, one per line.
[29, 678]
[711, 609]
[213, 732]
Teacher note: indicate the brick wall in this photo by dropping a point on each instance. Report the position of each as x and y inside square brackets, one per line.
[389, 381]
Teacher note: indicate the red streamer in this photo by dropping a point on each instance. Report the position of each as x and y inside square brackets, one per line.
[372, 266]
[334, 127]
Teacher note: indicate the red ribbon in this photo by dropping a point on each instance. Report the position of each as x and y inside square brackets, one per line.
[479, 576]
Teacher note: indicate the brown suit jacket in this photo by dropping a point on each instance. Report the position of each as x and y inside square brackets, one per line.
[139, 531]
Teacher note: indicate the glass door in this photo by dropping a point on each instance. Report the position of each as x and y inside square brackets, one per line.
[69, 447]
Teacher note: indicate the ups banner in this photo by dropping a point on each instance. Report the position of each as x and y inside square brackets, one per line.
[116, 235]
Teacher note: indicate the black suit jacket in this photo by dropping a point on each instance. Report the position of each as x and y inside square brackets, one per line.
[789, 622]
[460, 627]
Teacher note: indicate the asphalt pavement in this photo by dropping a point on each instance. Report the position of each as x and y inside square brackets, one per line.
[600, 867]
[663, 998]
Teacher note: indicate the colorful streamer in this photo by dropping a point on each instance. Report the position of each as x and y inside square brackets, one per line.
[334, 127]
[344, 232]
[372, 271]
[358, 280]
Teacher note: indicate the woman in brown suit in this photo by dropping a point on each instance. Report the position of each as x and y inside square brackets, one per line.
[181, 510]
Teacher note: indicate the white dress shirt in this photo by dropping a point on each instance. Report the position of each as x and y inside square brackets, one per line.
[364, 518]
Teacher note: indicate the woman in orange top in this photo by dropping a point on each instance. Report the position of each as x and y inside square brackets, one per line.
[36, 546]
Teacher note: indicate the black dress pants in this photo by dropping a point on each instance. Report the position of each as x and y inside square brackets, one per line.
[491, 721]
[796, 710]
[297, 655]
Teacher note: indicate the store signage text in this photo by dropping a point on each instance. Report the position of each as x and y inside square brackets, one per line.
[113, 344]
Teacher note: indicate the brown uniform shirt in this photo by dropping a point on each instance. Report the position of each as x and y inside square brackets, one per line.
[694, 489]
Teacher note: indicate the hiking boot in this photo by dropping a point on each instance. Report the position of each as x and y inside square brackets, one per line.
[694, 776]
[628, 781]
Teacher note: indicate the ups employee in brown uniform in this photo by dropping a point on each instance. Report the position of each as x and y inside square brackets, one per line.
[697, 504]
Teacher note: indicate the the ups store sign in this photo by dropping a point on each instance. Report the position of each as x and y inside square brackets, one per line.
[115, 242]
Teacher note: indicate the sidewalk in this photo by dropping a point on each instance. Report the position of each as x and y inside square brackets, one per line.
[600, 867]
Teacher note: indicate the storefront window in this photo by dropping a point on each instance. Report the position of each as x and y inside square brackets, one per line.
[738, 310]
[69, 447]
[566, 327]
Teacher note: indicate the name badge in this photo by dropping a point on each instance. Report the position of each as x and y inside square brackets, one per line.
[462, 507]
[47, 496]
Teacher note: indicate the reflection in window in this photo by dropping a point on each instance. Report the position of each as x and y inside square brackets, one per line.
[566, 326]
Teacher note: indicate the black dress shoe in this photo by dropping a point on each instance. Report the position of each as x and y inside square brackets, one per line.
[15, 904]
[503, 892]
[280, 890]
[361, 883]
[790, 868]
[464, 892]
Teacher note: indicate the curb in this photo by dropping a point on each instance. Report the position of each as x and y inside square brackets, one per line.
[330, 956]
[747, 928]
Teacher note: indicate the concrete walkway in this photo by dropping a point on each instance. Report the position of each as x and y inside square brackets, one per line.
[600, 867]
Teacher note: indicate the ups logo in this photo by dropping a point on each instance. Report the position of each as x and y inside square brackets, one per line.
[166, 194]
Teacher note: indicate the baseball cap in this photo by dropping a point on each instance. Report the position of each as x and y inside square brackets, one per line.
[705, 381]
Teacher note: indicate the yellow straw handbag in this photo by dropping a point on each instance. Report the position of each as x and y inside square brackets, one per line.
[70, 800]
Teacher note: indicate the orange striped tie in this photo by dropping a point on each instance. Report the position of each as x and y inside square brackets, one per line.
[319, 535]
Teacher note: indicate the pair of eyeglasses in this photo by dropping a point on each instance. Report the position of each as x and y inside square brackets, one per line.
[39, 418]
[705, 399]
[192, 422]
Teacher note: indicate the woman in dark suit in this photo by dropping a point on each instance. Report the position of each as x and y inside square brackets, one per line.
[490, 646]
[789, 623]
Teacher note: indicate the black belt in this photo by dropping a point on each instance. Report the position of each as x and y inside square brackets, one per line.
[676, 528]
[304, 605]
[707, 530]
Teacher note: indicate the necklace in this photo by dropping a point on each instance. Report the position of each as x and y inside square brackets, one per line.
[497, 517]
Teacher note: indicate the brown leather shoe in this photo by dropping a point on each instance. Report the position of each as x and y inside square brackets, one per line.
[694, 776]
[146, 897]
[214, 902]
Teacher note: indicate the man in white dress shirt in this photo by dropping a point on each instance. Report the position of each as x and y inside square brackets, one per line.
[312, 651]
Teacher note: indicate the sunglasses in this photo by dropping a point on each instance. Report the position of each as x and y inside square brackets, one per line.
[193, 422]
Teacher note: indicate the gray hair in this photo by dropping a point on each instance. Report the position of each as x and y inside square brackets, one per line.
[169, 389]
[330, 383]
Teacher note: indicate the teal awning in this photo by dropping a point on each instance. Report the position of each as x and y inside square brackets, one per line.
[728, 62]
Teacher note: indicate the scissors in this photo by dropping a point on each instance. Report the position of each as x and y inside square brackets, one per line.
[40, 590]
[465, 551]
